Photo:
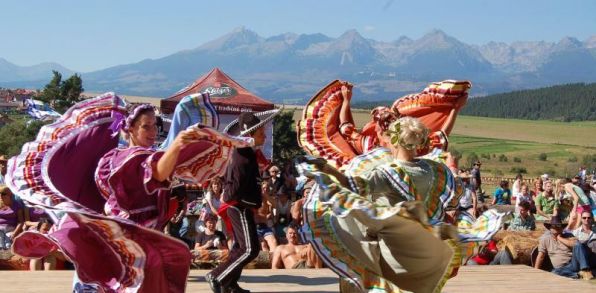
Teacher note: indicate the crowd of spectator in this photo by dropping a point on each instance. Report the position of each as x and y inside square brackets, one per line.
[564, 207]
[278, 221]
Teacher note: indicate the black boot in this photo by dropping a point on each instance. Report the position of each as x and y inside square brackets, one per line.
[213, 283]
[235, 288]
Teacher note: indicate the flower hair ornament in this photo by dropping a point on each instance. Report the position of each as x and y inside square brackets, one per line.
[394, 131]
[124, 123]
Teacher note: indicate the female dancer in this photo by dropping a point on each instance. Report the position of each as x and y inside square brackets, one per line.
[110, 202]
[381, 226]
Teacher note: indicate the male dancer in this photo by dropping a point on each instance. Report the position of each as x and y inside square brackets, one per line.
[242, 194]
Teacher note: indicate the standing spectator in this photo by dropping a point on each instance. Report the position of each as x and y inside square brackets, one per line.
[264, 221]
[516, 186]
[546, 203]
[523, 220]
[468, 201]
[582, 174]
[578, 201]
[502, 194]
[11, 217]
[476, 180]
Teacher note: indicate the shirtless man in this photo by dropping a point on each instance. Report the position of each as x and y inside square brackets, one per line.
[295, 255]
[264, 221]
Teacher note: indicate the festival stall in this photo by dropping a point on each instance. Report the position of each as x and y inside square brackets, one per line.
[229, 98]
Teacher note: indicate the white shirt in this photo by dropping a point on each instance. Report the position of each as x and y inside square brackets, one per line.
[584, 237]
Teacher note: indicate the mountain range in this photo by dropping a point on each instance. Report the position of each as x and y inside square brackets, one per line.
[291, 67]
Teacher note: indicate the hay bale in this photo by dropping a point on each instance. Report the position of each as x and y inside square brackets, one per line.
[519, 243]
[263, 261]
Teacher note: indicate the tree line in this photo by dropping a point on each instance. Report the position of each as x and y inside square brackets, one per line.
[569, 102]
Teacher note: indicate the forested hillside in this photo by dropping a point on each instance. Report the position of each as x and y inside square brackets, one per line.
[570, 102]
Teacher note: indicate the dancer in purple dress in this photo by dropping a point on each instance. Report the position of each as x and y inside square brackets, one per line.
[109, 202]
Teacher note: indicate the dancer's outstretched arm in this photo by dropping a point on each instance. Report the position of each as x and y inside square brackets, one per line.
[345, 112]
[450, 122]
[166, 164]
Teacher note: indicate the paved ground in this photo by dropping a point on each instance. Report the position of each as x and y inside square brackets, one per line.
[493, 279]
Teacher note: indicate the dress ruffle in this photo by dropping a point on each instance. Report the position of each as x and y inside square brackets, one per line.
[382, 247]
[321, 135]
[56, 173]
[366, 243]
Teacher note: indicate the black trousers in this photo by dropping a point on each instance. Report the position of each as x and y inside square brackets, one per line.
[246, 246]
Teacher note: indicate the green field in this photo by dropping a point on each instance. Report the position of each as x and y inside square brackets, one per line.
[567, 145]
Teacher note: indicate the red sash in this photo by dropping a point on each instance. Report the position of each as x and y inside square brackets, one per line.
[223, 213]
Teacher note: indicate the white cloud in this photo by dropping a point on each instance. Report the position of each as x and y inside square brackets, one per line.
[369, 28]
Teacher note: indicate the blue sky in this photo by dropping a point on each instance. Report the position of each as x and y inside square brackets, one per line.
[90, 35]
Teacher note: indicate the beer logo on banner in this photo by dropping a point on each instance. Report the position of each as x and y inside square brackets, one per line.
[223, 90]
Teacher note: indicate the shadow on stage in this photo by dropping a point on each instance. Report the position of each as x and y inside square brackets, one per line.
[281, 279]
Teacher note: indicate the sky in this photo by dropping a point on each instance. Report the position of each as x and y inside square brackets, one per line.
[91, 35]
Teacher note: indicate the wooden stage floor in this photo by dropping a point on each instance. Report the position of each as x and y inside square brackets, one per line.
[470, 279]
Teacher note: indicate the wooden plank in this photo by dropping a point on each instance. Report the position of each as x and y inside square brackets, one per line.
[494, 279]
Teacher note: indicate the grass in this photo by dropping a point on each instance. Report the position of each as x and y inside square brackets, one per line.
[557, 162]
[542, 131]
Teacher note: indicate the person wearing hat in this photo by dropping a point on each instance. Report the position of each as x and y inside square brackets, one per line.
[468, 201]
[242, 194]
[568, 257]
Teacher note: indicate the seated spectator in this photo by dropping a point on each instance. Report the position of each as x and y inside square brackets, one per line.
[524, 195]
[502, 194]
[523, 220]
[210, 238]
[295, 255]
[586, 235]
[48, 262]
[3, 162]
[568, 257]
[264, 222]
[489, 254]
[32, 217]
[546, 204]
[591, 191]
[296, 210]
[11, 217]
[289, 175]
[587, 231]
[275, 178]
[538, 187]
[282, 213]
